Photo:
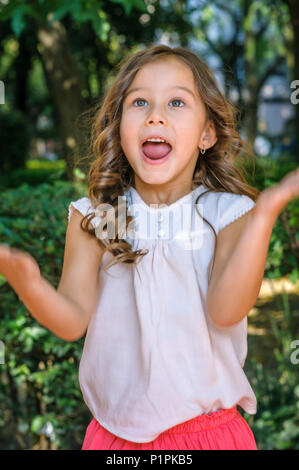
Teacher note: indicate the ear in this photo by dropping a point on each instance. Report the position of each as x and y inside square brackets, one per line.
[209, 136]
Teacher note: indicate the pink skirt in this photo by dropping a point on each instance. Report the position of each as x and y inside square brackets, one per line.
[225, 429]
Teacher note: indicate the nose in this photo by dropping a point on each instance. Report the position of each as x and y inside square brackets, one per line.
[156, 117]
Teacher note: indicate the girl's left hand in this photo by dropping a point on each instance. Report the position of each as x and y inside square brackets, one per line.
[273, 200]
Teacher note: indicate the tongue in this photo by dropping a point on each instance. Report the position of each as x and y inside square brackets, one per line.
[156, 150]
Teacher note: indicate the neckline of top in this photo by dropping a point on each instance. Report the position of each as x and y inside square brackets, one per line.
[136, 196]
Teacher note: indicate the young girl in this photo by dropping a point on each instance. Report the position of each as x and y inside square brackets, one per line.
[164, 287]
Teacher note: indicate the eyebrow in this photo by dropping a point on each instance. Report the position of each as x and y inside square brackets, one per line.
[144, 88]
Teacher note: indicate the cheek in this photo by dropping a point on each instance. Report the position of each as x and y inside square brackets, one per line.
[127, 129]
[186, 138]
[124, 133]
[129, 116]
[127, 141]
[185, 122]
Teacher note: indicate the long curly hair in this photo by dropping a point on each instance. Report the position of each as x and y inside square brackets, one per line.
[110, 173]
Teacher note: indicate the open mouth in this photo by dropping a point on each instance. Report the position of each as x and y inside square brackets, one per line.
[156, 150]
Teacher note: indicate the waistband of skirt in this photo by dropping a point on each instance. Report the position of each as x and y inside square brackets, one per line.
[204, 422]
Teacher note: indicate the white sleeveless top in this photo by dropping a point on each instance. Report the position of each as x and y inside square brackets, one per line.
[152, 357]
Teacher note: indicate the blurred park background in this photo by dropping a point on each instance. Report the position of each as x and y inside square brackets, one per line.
[56, 60]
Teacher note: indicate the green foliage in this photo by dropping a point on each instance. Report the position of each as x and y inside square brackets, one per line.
[40, 396]
[283, 249]
[276, 424]
[81, 11]
[14, 142]
[36, 172]
[282, 259]
[266, 171]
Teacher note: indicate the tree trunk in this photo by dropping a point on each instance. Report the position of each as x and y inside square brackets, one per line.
[22, 66]
[66, 86]
[250, 119]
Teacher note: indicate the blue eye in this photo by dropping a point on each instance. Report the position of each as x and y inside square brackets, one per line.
[138, 99]
[175, 99]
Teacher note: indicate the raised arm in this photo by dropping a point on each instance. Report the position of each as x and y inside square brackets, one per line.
[67, 310]
[238, 268]
[241, 253]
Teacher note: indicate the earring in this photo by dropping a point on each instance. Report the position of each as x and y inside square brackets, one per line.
[202, 151]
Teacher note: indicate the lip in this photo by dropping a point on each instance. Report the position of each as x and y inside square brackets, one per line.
[157, 161]
[155, 137]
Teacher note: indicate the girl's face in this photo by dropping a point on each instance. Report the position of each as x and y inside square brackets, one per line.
[160, 107]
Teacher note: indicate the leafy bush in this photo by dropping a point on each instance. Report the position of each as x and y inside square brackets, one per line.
[283, 255]
[266, 171]
[276, 424]
[35, 172]
[40, 399]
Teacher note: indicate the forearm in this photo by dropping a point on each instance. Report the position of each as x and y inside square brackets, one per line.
[64, 317]
[237, 287]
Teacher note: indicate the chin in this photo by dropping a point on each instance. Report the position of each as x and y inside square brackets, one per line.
[154, 180]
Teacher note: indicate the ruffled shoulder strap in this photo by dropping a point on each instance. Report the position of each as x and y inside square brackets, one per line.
[232, 206]
[84, 206]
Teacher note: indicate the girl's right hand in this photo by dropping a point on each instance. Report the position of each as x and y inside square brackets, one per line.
[19, 268]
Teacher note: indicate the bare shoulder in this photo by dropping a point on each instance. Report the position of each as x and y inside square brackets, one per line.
[76, 237]
[227, 239]
[81, 264]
